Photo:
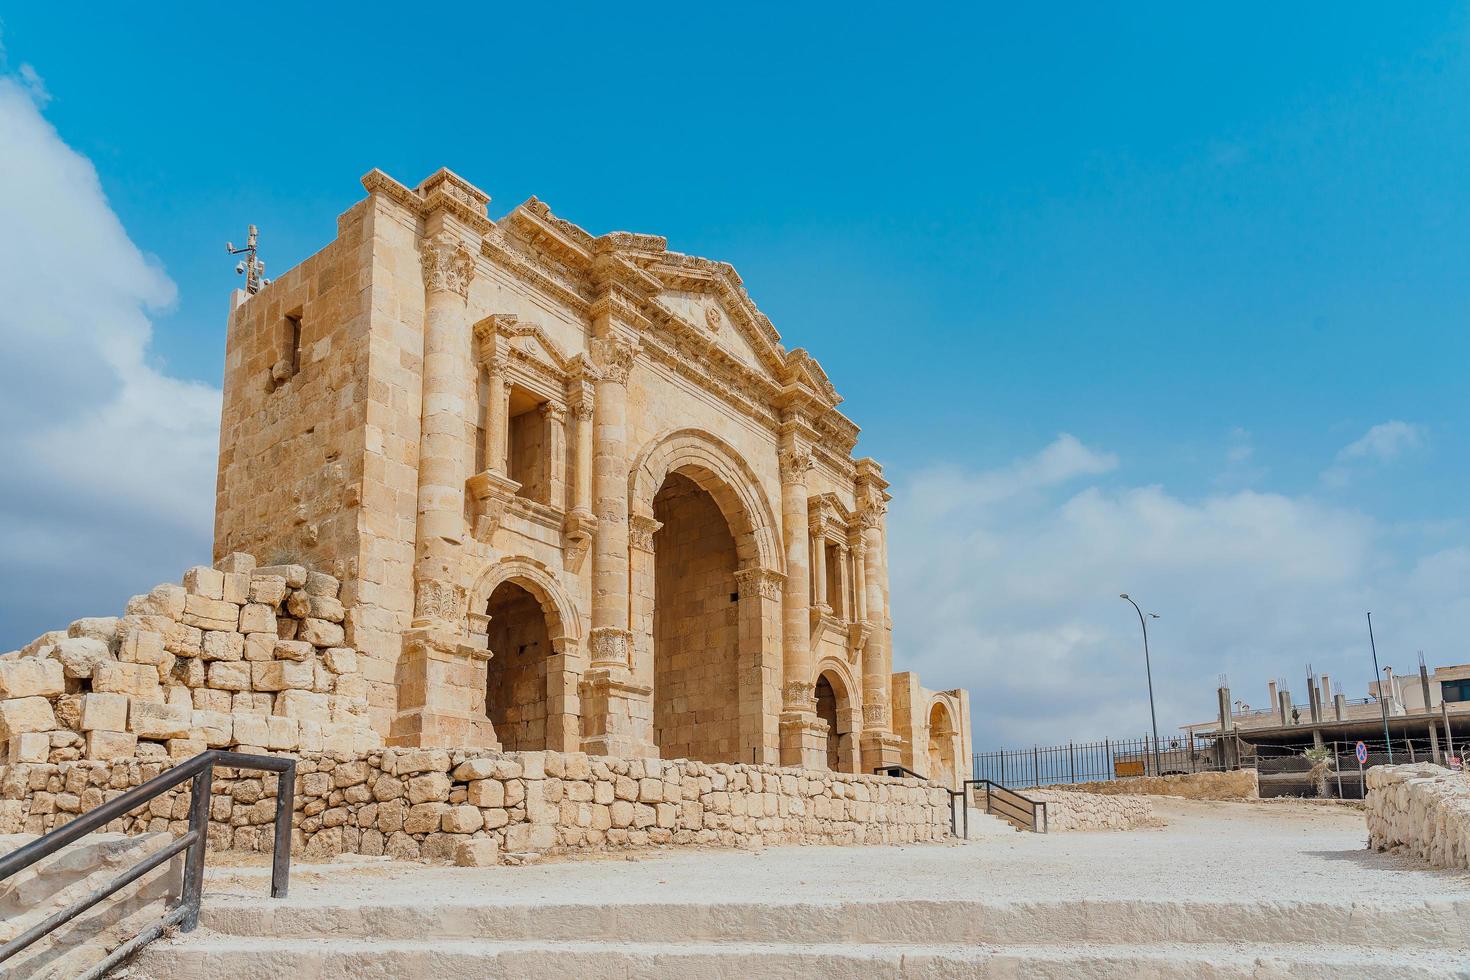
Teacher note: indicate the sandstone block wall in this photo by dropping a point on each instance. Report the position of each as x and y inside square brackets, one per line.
[235, 657]
[427, 803]
[1067, 810]
[1241, 784]
[1420, 809]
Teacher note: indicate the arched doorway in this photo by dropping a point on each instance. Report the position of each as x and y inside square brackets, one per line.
[827, 711]
[696, 627]
[515, 681]
[942, 733]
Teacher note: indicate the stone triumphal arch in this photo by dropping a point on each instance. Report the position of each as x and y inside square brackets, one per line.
[579, 494]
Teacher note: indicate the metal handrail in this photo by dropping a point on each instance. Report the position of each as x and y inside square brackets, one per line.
[1039, 823]
[185, 913]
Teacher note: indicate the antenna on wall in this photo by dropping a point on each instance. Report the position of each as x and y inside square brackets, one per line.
[250, 267]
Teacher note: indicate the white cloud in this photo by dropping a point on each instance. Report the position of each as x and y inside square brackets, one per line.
[109, 479]
[1383, 443]
[1010, 587]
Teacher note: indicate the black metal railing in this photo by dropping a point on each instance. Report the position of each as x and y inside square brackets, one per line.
[184, 914]
[1006, 803]
[1083, 762]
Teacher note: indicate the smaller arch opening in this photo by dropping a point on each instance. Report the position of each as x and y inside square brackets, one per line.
[827, 711]
[941, 745]
[515, 677]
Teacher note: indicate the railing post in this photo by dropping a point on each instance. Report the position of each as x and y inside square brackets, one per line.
[1108, 758]
[281, 852]
[199, 790]
[1072, 760]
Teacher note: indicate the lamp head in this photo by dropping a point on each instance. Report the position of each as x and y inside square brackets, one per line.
[1122, 595]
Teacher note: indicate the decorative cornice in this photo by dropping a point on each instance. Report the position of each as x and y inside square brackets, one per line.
[615, 357]
[641, 530]
[795, 462]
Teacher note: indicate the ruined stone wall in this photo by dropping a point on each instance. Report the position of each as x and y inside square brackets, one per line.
[1422, 809]
[1240, 784]
[1088, 811]
[238, 656]
[426, 803]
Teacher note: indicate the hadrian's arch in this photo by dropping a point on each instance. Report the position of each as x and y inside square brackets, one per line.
[843, 715]
[706, 599]
[533, 636]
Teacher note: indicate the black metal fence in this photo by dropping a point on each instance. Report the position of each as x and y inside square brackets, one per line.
[1086, 762]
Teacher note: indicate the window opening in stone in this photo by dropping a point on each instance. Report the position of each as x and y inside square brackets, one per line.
[529, 451]
[515, 682]
[836, 596]
[293, 339]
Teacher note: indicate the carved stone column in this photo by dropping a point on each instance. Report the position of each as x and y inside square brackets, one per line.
[803, 734]
[441, 671]
[617, 711]
[843, 606]
[497, 415]
[556, 445]
[578, 528]
[880, 745]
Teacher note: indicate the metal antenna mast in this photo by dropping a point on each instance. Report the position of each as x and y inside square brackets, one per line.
[251, 267]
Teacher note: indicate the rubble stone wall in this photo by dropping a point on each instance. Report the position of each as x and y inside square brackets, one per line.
[1422, 809]
[1240, 784]
[429, 803]
[1067, 810]
[235, 657]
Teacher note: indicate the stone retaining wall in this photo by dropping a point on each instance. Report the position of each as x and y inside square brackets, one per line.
[236, 657]
[1423, 809]
[427, 803]
[1066, 810]
[1239, 784]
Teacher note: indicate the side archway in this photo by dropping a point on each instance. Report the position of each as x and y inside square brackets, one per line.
[533, 633]
[943, 737]
[834, 687]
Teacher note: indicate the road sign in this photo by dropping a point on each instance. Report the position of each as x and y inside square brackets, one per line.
[1362, 753]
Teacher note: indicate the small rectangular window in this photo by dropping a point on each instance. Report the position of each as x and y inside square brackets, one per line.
[293, 340]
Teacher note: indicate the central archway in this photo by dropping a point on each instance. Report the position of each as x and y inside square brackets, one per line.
[705, 599]
[696, 640]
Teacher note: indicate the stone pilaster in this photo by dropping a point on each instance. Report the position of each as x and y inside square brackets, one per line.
[580, 524]
[556, 444]
[497, 412]
[880, 746]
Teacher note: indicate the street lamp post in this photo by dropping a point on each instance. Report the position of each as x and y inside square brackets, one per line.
[1387, 739]
[1149, 672]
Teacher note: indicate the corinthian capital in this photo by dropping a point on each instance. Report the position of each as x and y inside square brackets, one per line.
[794, 463]
[448, 264]
[615, 359]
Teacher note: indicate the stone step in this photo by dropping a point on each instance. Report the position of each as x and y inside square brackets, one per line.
[207, 956]
[1430, 924]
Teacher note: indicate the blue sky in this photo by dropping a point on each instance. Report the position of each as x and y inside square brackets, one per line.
[1142, 283]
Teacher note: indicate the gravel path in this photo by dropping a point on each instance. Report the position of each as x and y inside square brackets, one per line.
[1275, 851]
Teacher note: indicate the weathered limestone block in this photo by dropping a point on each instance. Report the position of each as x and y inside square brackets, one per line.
[32, 677]
[236, 561]
[81, 655]
[462, 820]
[137, 680]
[424, 818]
[303, 706]
[100, 628]
[137, 645]
[428, 787]
[268, 590]
[150, 719]
[164, 600]
[210, 614]
[205, 582]
[321, 633]
[250, 728]
[104, 711]
[107, 745]
[481, 852]
[230, 675]
[322, 584]
[281, 675]
[340, 660]
[296, 650]
[260, 647]
[29, 747]
[295, 575]
[216, 728]
[257, 617]
[219, 645]
[237, 587]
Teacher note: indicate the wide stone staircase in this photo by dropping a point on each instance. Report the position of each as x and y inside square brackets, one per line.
[452, 934]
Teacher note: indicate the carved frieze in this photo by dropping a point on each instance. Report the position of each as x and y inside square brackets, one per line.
[641, 530]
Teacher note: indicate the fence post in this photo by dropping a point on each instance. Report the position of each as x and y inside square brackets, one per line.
[1072, 760]
[199, 791]
[1337, 768]
[1035, 765]
[1108, 757]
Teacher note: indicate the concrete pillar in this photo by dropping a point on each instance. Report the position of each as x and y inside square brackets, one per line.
[803, 735]
[1429, 713]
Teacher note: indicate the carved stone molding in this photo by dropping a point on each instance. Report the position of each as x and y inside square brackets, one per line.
[437, 601]
[713, 318]
[875, 715]
[609, 646]
[493, 493]
[871, 516]
[641, 530]
[615, 358]
[552, 412]
[795, 462]
[758, 582]
[799, 696]
[448, 264]
[576, 533]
